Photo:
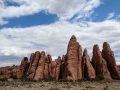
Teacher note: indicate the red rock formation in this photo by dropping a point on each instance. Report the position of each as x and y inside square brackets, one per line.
[88, 70]
[57, 73]
[40, 69]
[5, 70]
[118, 66]
[72, 60]
[79, 62]
[53, 69]
[99, 63]
[22, 67]
[73, 65]
[30, 65]
[8, 70]
[62, 67]
[48, 60]
[46, 71]
[34, 65]
[108, 55]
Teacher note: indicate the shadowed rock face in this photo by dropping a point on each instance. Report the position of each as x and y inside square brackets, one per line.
[58, 64]
[88, 70]
[53, 69]
[118, 68]
[99, 63]
[30, 65]
[73, 60]
[40, 68]
[22, 67]
[62, 67]
[46, 70]
[108, 55]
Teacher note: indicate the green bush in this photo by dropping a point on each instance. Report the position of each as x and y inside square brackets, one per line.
[100, 77]
[13, 76]
[48, 79]
[53, 89]
[82, 79]
[63, 80]
[115, 77]
[97, 78]
[3, 79]
[24, 78]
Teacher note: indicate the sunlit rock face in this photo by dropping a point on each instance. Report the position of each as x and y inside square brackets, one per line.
[108, 55]
[99, 63]
[73, 60]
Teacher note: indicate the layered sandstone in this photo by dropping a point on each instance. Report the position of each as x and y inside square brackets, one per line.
[108, 55]
[73, 60]
[34, 64]
[88, 70]
[22, 67]
[57, 71]
[48, 60]
[39, 73]
[99, 63]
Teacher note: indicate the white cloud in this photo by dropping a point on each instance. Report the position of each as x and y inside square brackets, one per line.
[54, 38]
[65, 9]
[111, 15]
[88, 9]
[118, 17]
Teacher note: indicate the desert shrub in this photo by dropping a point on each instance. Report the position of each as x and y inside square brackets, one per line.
[82, 79]
[115, 77]
[48, 79]
[13, 76]
[3, 79]
[24, 78]
[51, 79]
[105, 88]
[54, 89]
[63, 80]
[100, 77]
[97, 78]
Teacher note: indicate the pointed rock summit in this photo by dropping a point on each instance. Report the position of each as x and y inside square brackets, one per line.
[88, 70]
[108, 55]
[99, 63]
[73, 68]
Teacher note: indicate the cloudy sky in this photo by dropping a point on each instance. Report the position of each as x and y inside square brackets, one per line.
[27, 26]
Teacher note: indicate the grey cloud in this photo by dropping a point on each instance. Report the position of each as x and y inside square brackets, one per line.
[10, 60]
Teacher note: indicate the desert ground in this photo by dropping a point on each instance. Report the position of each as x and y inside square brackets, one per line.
[55, 85]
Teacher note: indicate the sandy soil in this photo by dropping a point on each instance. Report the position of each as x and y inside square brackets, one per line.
[40, 85]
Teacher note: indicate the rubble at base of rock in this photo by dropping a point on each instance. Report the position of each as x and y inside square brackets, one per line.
[72, 66]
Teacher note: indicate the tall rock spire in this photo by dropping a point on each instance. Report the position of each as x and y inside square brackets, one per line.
[88, 70]
[108, 55]
[73, 60]
[99, 63]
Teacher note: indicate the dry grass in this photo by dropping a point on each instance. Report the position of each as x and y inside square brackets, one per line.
[40, 85]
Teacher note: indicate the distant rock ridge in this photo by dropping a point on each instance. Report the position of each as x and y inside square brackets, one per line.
[72, 66]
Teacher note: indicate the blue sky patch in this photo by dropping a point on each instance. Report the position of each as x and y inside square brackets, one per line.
[40, 18]
[108, 6]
